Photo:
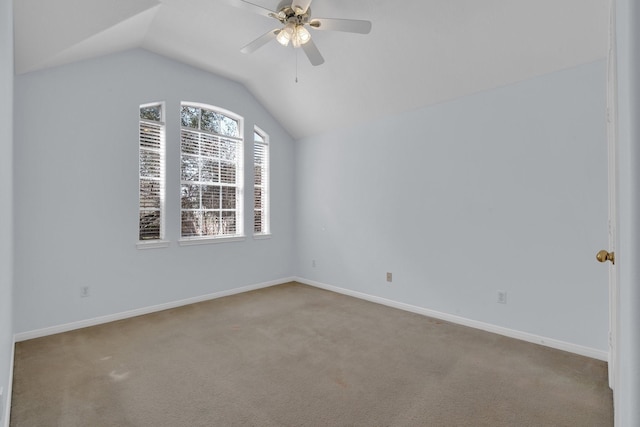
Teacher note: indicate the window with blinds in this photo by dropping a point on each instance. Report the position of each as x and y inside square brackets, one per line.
[151, 177]
[210, 173]
[260, 183]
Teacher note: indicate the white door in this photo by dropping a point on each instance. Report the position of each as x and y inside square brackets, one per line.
[612, 122]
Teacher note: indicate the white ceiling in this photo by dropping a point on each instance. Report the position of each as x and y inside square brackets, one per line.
[419, 52]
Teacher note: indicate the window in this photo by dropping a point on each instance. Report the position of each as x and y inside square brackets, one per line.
[260, 183]
[211, 173]
[151, 177]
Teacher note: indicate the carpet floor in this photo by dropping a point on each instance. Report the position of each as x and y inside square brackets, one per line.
[293, 355]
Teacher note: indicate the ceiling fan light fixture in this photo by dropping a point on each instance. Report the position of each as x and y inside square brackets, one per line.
[286, 34]
[302, 34]
[282, 38]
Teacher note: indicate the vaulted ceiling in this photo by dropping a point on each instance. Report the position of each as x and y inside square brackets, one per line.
[419, 52]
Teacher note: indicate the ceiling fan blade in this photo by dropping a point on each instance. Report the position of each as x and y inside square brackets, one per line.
[242, 4]
[348, 25]
[300, 5]
[312, 52]
[260, 41]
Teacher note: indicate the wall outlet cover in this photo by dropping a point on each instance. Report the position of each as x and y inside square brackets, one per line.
[502, 297]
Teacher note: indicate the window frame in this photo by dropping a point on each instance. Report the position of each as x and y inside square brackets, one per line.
[161, 241]
[239, 175]
[265, 187]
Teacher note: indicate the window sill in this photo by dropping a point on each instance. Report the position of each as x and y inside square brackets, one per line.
[262, 236]
[209, 240]
[152, 244]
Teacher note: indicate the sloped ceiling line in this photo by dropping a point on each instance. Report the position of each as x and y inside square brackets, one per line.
[420, 54]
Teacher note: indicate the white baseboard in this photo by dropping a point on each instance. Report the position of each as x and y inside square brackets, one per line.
[23, 336]
[524, 336]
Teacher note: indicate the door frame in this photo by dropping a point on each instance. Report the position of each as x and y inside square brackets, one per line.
[612, 160]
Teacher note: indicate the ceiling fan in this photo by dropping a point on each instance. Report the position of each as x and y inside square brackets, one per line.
[295, 17]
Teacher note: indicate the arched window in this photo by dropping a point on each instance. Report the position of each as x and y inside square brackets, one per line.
[211, 173]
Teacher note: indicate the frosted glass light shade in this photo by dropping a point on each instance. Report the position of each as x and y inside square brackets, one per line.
[302, 34]
[286, 34]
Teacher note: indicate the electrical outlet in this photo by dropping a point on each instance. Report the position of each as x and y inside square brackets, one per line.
[84, 291]
[313, 263]
[389, 277]
[502, 297]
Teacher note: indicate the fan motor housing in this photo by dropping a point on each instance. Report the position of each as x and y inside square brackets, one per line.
[286, 14]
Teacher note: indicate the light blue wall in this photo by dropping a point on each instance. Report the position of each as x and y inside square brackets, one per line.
[6, 198]
[627, 391]
[76, 184]
[502, 190]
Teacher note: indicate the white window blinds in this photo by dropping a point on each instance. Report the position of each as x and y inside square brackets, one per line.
[151, 177]
[260, 183]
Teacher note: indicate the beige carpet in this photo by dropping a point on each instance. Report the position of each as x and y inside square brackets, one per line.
[293, 355]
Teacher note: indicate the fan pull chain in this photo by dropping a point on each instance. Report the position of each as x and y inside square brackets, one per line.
[296, 65]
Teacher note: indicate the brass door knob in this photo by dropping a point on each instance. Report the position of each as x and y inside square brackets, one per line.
[604, 256]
